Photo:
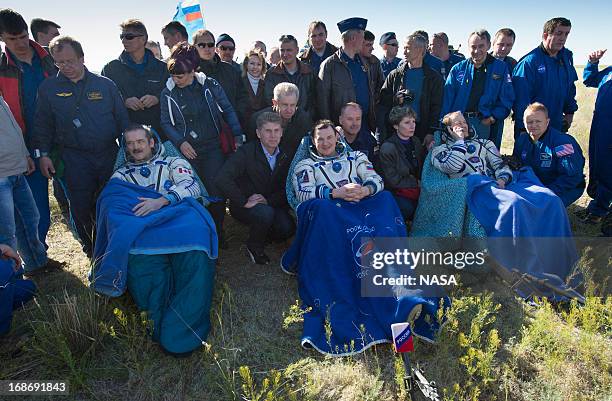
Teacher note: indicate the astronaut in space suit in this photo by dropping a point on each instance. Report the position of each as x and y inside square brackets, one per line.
[170, 176]
[334, 173]
[461, 155]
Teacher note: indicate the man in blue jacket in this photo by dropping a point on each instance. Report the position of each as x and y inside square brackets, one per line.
[556, 158]
[600, 140]
[547, 75]
[82, 114]
[481, 88]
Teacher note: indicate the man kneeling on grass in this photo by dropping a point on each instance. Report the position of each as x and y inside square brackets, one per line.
[155, 239]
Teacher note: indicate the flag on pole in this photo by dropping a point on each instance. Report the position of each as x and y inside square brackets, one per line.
[189, 13]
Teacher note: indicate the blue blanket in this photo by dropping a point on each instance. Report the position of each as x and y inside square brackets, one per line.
[14, 292]
[527, 227]
[180, 227]
[338, 320]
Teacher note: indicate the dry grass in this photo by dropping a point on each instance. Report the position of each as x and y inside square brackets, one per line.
[539, 355]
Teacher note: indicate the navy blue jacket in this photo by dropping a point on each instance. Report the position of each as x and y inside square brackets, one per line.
[454, 58]
[97, 104]
[498, 94]
[539, 77]
[556, 158]
[173, 123]
[131, 83]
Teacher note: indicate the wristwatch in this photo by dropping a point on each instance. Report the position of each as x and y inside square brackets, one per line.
[38, 154]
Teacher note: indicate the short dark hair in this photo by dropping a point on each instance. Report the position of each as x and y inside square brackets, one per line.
[506, 32]
[136, 127]
[316, 24]
[174, 27]
[398, 113]
[58, 43]
[135, 25]
[12, 22]
[422, 33]
[287, 39]
[552, 24]
[268, 117]
[39, 25]
[322, 124]
[369, 36]
[482, 34]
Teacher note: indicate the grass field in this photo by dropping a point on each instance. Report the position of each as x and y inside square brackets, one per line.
[495, 347]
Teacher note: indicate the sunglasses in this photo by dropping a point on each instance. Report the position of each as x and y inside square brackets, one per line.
[207, 44]
[230, 48]
[129, 36]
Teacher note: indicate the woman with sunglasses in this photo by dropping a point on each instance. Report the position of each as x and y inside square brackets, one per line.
[193, 109]
[253, 73]
[210, 64]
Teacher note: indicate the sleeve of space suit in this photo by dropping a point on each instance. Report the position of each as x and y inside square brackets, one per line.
[496, 162]
[304, 183]
[570, 166]
[449, 159]
[183, 182]
[365, 171]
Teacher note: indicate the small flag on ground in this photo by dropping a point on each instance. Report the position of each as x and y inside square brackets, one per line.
[402, 337]
[189, 13]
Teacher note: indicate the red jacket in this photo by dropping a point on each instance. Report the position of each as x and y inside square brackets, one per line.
[10, 80]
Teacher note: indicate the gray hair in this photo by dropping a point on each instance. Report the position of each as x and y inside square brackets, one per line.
[418, 40]
[286, 89]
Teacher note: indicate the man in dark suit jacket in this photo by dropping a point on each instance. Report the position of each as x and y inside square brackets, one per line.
[253, 179]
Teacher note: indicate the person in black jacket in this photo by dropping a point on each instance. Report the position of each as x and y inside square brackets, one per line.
[417, 85]
[227, 76]
[290, 69]
[253, 179]
[253, 73]
[139, 76]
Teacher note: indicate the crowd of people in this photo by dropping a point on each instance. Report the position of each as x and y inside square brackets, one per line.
[264, 135]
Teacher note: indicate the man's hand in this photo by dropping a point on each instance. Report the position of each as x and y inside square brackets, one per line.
[501, 183]
[351, 192]
[8, 253]
[149, 205]
[149, 101]
[31, 165]
[188, 151]
[133, 103]
[254, 200]
[46, 167]
[488, 121]
[595, 56]
[569, 118]
[457, 133]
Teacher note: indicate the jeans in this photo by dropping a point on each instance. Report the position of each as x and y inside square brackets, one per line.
[39, 185]
[19, 221]
[265, 223]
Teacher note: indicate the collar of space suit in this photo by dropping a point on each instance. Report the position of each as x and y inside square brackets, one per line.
[199, 76]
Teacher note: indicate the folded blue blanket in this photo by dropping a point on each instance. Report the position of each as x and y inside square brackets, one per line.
[180, 227]
[527, 227]
[339, 320]
[14, 292]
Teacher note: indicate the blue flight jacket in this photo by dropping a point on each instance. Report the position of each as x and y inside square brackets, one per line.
[498, 94]
[539, 77]
[87, 116]
[556, 158]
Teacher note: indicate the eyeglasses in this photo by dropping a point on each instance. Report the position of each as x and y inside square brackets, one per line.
[67, 63]
[129, 36]
[393, 44]
[230, 48]
[206, 44]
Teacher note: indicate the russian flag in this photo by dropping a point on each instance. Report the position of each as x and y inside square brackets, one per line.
[189, 13]
[402, 337]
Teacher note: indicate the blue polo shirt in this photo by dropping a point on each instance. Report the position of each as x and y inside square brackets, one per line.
[360, 82]
[31, 77]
